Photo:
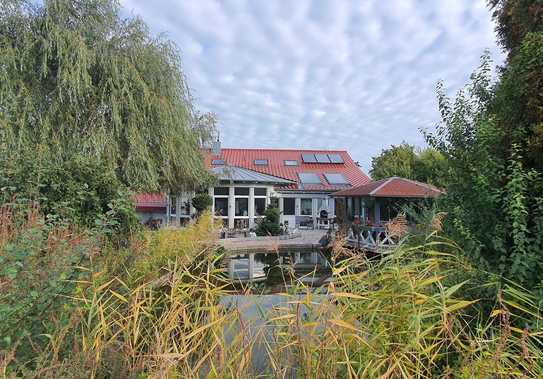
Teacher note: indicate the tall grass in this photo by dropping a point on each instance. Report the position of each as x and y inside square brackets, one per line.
[158, 313]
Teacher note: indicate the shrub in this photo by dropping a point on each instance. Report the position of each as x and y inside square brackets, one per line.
[201, 202]
[269, 225]
[76, 191]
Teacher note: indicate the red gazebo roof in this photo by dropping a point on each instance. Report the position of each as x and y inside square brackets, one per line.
[392, 187]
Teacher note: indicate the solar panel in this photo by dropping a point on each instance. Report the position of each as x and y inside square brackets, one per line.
[336, 178]
[335, 158]
[322, 158]
[261, 162]
[309, 178]
[309, 158]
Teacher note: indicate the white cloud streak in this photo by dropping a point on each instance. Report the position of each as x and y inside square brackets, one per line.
[358, 75]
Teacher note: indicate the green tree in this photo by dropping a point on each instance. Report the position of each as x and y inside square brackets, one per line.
[76, 78]
[427, 165]
[489, 135]
[394, 161]
[201, 202]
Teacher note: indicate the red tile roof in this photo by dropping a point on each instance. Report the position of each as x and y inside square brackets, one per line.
[150, 201]
[276, 166]
[393, 187]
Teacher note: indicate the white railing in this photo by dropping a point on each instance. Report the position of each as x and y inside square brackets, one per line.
[370, 237]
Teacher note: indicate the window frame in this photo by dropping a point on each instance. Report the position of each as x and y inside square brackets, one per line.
[305, 199]
[293, 206]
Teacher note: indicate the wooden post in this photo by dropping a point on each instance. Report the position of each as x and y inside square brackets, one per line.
[377, 211]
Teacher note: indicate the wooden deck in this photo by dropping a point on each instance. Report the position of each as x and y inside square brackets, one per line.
[307, 240]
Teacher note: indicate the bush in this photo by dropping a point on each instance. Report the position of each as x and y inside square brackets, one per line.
[201, 202]
[269, 226]
[74, 191]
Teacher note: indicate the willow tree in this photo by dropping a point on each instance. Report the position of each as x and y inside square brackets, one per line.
[77, 79]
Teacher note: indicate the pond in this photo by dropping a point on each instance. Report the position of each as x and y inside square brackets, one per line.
[272, 269]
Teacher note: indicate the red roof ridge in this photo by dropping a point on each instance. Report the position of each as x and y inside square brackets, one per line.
[385, 182]
[422, 184]
[282, 149]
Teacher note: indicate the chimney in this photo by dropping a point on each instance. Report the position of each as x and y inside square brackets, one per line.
[216, 147]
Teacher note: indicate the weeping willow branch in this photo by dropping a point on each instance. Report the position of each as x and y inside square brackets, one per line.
[76, 78]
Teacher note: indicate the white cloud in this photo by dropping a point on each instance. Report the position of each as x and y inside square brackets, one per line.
[332, 74]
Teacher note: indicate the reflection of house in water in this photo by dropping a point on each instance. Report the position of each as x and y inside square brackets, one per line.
[253, 266]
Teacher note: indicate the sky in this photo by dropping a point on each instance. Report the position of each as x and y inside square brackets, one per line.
[335, 74]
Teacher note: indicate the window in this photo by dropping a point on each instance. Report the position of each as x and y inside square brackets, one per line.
[242, 207]
[322, 204]
[289, 206]
[217, 162]
[335, 158]
[274, 202]
[261, 162]
[336, 178]
[322, 158]
[218, 191]
[173, 205]
[292, 162]
[221, 206]
[241, 191]
[261, 191]
[309, 178]
[309, 158]
[306, 207]
[260, 206]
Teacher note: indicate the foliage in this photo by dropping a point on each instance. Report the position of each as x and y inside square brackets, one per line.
[169, 320]
[39, 266]
[77, 79]
[77, 191]
[515, 19]
[269, 225]
[201, 202]
[492, 141]
[428, 165]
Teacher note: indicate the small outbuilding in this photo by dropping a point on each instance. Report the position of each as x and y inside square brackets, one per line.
[378, 202]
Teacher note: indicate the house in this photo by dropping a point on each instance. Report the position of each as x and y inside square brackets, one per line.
[298, 182]
[377, 202]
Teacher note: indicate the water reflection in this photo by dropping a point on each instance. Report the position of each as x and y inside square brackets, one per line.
[311, 267]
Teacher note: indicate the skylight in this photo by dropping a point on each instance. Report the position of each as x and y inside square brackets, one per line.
[335, 158]
[336, 178]
[309, 158]
[261, 162]
[290, 162]
[217, 162]
[309, 178]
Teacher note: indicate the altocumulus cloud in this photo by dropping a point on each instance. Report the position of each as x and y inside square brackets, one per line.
[358, 75]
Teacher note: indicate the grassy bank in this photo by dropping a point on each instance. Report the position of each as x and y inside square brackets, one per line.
[73, 304]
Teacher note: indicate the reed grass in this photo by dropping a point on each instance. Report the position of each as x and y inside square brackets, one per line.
[160, 314]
